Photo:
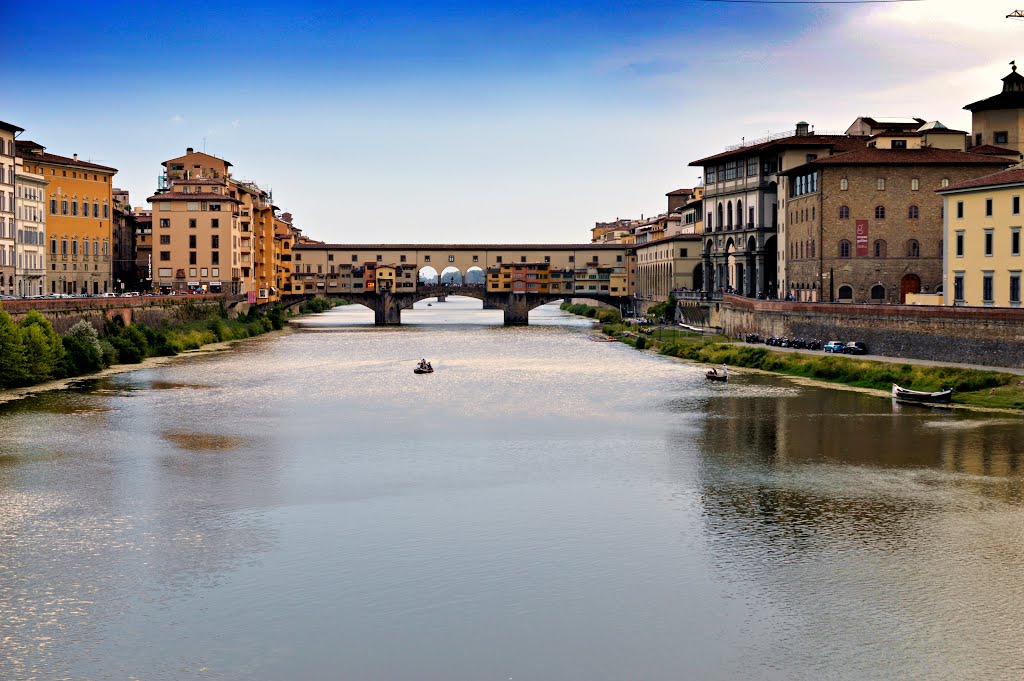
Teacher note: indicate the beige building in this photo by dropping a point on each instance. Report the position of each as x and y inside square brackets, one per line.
[212, 232]
[667, 265]
[998, 121]
[982, 225]
[30, 267]
[7, 208]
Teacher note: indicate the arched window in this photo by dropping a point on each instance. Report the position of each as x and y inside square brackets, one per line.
[913, 249]
[879, 212]
[945, 182]
[814, 212]
[721, 218]
[844, 249]
[879, 249]
[728, 214]
[844, 212]
[844, 184]
[85, 247]
[915, 184]
[913, 213]
[877, 292]
[880, 184]
[845, 293]
[739, 214]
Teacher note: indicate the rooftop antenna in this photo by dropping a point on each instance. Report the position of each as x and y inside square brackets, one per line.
[204, 145]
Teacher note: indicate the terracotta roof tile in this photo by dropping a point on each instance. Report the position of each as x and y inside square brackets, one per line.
[843, 141]
[461, 247]
[27, 151]
[992, 150]
[1011, 176]
[930, 155]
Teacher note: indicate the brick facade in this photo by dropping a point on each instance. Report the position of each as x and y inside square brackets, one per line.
[904, 253]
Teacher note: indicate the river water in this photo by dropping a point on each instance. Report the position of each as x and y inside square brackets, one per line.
[303, 506]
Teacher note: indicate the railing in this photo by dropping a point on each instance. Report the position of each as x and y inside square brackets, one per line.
[697, 295]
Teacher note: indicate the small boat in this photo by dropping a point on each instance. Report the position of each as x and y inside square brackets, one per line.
[715, 376]
[604, 339]
[422, 370]
[430, 304]
[937, 397]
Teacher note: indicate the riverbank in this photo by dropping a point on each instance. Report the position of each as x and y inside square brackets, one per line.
[974, 387]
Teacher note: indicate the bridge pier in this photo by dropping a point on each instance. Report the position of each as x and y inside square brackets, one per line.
[517, 310]
[386, 310]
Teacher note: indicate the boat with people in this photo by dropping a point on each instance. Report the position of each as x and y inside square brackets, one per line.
[923, 397]
[423, 367]
[715, 375]
[604, 339]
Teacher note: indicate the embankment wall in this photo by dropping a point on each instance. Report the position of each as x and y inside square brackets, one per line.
[153, 311]
[989, 336]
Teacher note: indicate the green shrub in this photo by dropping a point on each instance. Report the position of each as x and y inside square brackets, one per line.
[641, 343]
[44, 351]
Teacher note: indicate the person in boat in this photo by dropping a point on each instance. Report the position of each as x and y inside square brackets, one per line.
[725, 370]
[713, 372]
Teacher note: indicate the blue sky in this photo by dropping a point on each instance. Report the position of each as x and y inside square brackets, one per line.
[486, 122]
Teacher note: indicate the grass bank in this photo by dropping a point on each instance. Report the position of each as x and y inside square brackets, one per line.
[974, 387]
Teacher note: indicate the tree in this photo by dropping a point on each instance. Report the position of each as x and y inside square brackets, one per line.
[44, 351]
[12, 353]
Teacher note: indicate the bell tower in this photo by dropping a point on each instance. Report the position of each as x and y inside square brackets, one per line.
[999, 120]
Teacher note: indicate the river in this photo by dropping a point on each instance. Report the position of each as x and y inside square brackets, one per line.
[302, 506]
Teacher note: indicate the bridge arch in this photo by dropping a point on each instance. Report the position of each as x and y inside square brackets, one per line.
[451, 275]
[427, 275]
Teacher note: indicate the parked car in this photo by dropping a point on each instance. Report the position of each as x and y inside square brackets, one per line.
[834, 346]
[855, 348]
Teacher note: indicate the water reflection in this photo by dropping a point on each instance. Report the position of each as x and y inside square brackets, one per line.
[304, 506]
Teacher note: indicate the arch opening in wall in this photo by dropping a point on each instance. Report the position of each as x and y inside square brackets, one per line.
[877, 293]
[475, 276]
[427, 275]
[845, 294]
[451, 276]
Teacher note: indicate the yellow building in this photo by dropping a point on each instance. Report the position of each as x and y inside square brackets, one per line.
[79, 221]
[982, 237]
[385, 275]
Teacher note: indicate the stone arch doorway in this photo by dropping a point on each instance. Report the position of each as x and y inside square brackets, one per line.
[910, 283]
[877, 293]
[845, 294]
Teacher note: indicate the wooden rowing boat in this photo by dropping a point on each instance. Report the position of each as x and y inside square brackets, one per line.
[937, 397]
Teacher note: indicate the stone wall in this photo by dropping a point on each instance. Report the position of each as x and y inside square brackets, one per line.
[991, 336]
[64, 313]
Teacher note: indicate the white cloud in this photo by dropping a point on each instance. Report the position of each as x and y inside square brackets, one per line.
[177, 119]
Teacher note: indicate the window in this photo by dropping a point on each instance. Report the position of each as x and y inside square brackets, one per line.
[958, 287]
[913, 213]
[192, 206]
[401, 258]
[844, 249]
[1015, 241]
[915, 184]
[215, 223]
[451, 258]
[844, 184]
[880, 184]
[945, 182]
[53, 247]
[522, 258]
[165, 239]
[165, 222]
[380, 258]
[845, 293]
[215, 257]
[1001, 137]
[191, 240]
[215, 207]
[899, 144]
[977, 139]
[426, 258]
[879, 212]
[709, 176]
[192, 258]
[64, 247]
[986, 288]
[959, 210]
[53, 206]
[988, 243]
[165, 256]
[1015, 288]
[752, 166]
[74, 208]
[498, 259]
[85, 249]
[960, 243]
[988, 208]
[880, 249]
[877, 292]
[913, 249]
[191, 223]
[96, 210]
[355, 258]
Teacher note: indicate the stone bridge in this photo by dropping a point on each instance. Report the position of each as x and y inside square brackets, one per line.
[387, 306]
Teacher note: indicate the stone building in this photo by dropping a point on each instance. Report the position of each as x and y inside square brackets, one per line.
[866, 225]
[30, 266]
[7, 206]
[124, 233]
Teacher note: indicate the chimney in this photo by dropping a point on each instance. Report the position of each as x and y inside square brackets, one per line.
[802, 129]
[188, 150]
[76, 156]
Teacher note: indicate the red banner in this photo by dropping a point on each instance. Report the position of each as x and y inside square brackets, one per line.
[862, 238]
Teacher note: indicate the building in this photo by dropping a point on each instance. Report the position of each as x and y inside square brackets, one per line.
[30, 264]
[667, 265]
[124, 234]
[8, 202]
[692, 213]
[865, 226]
[741, 206]
[143, 248]
[78, 222]
[998, 121]
[213, 232]
[982, 226]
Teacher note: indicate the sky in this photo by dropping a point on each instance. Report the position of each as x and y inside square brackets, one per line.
[480, 122]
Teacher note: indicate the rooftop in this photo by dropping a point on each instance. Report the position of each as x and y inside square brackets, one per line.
[28, 149]
[10, 127]
[1005, 177]
[460, 247]
[1012, 96]
[197, 196]
[926, 156]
